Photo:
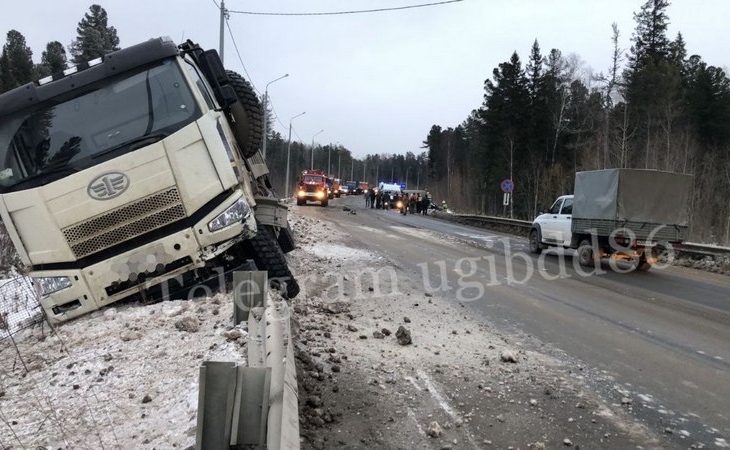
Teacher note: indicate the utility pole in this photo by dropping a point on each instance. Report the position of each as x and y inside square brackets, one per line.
[312, 163]
[221, 40]
[339, 165]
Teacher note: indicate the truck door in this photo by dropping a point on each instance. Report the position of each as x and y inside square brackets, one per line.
[551, 231]
[563, 221]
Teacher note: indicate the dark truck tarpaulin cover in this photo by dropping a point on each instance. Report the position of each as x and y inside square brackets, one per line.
[635, 195]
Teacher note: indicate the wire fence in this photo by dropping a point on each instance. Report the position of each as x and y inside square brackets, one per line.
[19, 306]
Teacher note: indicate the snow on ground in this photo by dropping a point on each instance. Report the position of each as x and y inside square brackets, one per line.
[19, 307]
[121, 378]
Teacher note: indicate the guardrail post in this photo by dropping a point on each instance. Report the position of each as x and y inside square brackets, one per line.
[233, 406]
[215, 405]
[251, 409]
[249, 291]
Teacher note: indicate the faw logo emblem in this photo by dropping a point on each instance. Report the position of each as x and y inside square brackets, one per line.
[108, 185]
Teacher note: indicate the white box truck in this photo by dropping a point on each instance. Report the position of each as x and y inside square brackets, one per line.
[621, 213]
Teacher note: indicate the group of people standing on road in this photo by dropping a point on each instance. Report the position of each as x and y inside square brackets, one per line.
[415, 202]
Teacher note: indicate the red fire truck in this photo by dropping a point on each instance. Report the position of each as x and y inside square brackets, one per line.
[313, 187]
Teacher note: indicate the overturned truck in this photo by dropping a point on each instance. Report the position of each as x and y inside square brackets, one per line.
[137, 173]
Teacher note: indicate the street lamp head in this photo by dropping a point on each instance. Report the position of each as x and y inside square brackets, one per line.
[273, 81]
[294, 117]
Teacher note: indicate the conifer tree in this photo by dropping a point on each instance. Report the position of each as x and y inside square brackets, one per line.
[16, 62]
[95, 36]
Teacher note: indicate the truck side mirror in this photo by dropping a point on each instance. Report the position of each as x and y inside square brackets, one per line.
[227, 96]
[214, 66]
[215, 73]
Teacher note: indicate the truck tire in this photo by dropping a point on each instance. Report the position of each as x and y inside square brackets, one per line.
[585, 253]
[254, 128]
[644, 265]
[325, 203]
[535, 245]
[267, 255]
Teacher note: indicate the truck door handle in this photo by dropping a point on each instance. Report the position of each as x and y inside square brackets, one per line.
[568, 217]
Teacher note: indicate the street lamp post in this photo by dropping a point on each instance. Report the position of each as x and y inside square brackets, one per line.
[312, 162]
[266, 100]
[288, 152]
[329, 159]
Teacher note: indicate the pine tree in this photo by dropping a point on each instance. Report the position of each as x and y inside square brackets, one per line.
[650, 38]
[16, 62]
[95, 37]
[54, 58]
[654, 89]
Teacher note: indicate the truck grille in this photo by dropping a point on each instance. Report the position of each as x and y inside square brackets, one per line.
[125, 222]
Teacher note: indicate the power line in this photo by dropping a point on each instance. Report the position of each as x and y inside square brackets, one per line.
[339, 13]
[233, 39]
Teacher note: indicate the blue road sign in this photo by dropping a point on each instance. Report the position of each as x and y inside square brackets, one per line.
[402, 186]
[507, 185]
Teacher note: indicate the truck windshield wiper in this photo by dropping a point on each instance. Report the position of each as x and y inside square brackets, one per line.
[47, 175]
[134, 144]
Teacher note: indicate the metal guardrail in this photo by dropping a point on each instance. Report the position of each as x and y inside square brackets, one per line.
[688, 248]
[252, 407]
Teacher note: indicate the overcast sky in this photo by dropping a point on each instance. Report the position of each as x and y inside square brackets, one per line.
[377, 82]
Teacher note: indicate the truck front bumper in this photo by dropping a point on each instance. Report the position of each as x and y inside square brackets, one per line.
[151, 265]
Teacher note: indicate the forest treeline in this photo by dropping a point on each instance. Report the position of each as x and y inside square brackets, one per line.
[540, 121]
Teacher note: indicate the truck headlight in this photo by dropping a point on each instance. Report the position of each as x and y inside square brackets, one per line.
[236, 213]
[320, 194]
[49, 285]
[302, 193]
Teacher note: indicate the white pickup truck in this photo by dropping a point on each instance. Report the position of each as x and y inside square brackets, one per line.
[621, 213]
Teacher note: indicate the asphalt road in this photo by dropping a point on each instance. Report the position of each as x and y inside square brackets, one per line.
[661, 338]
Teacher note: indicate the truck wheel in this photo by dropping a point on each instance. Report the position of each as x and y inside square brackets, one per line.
[325, 203]
[644, 263]
[585, 253]
[253, 128]
[301, 202]
[267, 255]
[535, 245]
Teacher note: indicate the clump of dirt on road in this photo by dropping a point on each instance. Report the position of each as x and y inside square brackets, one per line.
[383, 364]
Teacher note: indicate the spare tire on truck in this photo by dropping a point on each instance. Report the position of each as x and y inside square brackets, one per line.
[248, 115]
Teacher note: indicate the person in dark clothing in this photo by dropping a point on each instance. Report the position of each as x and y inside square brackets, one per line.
[425, 203]
[371, 194]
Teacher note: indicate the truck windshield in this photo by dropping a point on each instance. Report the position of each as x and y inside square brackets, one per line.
[72, 132]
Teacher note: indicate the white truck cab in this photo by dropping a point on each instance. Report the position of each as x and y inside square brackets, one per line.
[553, 226]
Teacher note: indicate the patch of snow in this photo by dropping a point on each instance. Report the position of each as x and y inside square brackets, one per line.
[337, 251]
[19, 307]
[123, 377]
